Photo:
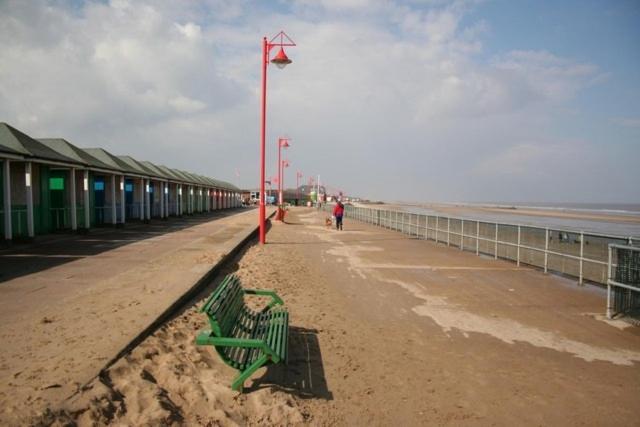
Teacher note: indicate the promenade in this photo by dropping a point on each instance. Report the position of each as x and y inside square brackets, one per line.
[69, 304]
[387, 330]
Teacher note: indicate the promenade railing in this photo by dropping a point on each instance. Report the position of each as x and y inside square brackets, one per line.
[579, 254]
[623, 284]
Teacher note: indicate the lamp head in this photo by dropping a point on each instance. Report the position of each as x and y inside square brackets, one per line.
[281, 59]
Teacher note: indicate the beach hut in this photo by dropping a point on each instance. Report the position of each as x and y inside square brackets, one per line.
[50, 185]
[67, 187]
[31, 171]
[127, 180]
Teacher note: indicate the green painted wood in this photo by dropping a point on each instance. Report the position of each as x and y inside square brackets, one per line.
[44, 218]
[2, 211]
[236, 332]
[221, 287]
[244, 375]
[244, 338]
[92, 200]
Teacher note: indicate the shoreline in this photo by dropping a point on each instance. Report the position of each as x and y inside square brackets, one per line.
[622, 225]
[551, 212]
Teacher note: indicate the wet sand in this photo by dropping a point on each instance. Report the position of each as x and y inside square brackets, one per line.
[547, 213]
[386, 330]
[468, 211]
[607, 223]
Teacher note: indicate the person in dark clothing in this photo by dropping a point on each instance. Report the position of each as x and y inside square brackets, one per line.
[338, 212]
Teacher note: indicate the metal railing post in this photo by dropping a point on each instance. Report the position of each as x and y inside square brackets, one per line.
[448, 229]
[580, 277]
[546, 249]
[462, 234]
[518, 250]
[402, 223]
[496, 243]
[437, 227]
[609, 271]
[426, 227]
[477, 237]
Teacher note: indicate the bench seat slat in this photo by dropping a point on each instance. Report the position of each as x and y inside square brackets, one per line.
[218, 304]
[228, 309]
[280, 341]
[238, 331]
[232, 314]
[254, 334]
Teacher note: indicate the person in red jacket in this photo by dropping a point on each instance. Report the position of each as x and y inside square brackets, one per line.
[338, 212]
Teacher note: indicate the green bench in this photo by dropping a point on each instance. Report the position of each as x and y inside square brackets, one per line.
[244, 338]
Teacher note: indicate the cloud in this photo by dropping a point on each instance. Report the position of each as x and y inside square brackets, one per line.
[380, 93]
[631, 122]
[554, 78]
[531, 159]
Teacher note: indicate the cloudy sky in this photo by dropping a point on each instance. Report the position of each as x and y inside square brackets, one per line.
[423, 100]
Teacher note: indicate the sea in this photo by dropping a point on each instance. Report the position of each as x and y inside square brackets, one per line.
[618, 228]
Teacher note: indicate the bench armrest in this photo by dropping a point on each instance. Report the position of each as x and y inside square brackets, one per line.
[275, 299]
[205, 338]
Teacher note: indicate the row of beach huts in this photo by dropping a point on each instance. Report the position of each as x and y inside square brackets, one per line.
[51, 185]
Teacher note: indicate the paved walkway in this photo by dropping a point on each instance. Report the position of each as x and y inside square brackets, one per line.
[69, 304]
[410, 332]
[385, 330]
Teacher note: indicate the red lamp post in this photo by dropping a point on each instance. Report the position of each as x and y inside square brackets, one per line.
[280, 60]
[298, 176]
[282, 143]
[284, 164]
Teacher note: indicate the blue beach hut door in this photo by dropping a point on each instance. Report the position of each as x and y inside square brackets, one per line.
[99, 195]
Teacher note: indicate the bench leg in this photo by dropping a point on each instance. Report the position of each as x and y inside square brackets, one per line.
[240, 379]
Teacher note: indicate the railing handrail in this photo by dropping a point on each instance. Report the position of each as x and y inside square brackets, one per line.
[619, 246]
[422, 227]
[511, 224]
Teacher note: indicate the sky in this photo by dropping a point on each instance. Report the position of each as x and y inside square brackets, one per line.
[422, 100]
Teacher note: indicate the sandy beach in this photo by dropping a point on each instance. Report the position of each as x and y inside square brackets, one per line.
[592, 216]
[385, 329]
[515, 211]
[609, 223]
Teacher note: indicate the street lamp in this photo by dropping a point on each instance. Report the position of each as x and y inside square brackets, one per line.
[280, 60]
[298, 176]
[284, 164]
[282, 143]
[281, 165]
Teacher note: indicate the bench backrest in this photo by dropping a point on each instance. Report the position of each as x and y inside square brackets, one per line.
[224, 305]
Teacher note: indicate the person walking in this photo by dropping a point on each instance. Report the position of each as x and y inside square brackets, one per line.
[338, 212]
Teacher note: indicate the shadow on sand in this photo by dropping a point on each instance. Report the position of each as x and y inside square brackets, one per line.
[303, 376]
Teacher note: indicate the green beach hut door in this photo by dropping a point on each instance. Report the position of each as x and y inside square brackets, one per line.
[2, 165]
[59, 216]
